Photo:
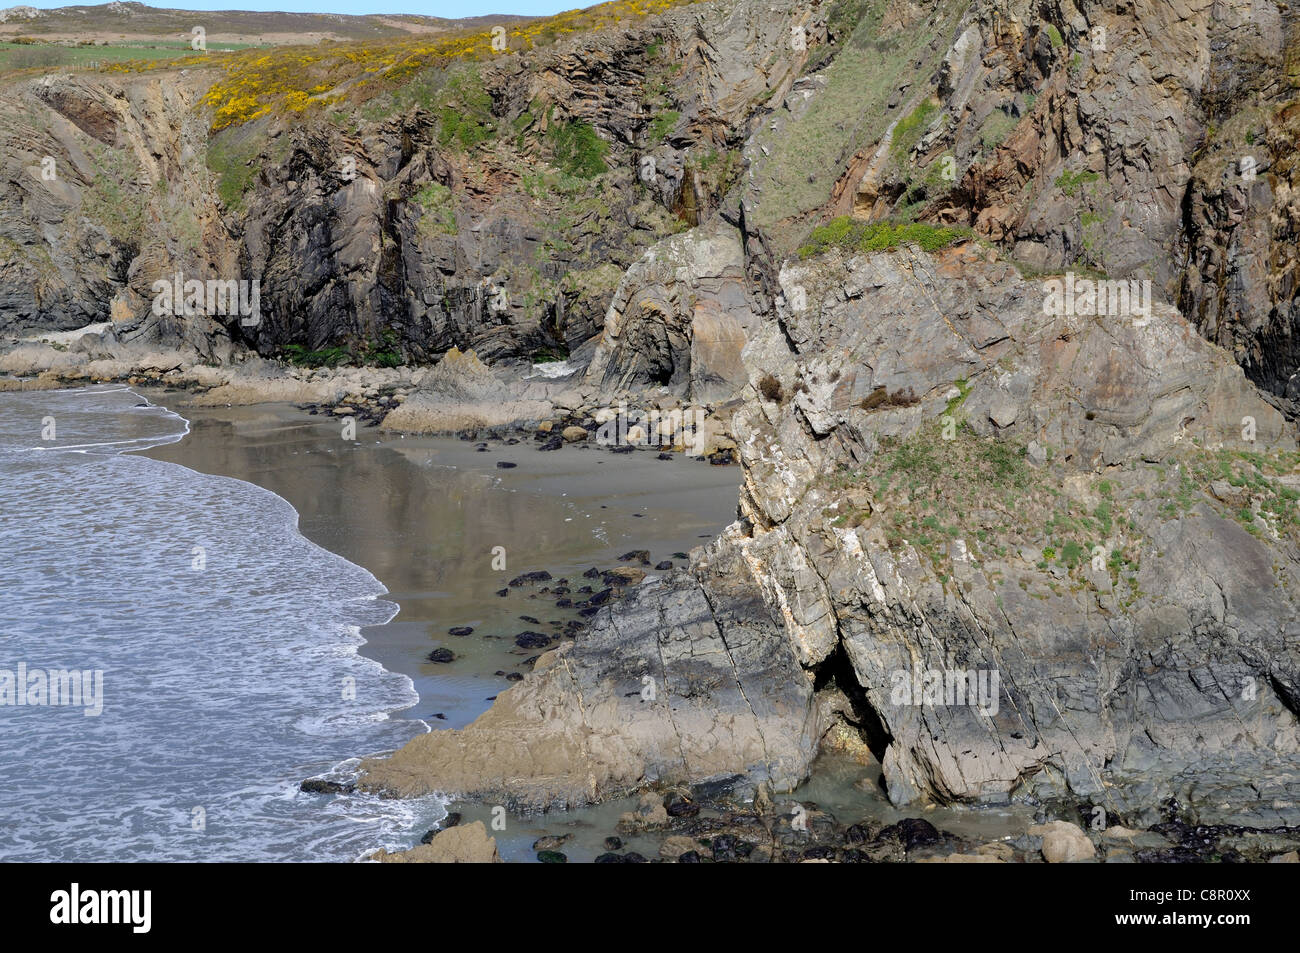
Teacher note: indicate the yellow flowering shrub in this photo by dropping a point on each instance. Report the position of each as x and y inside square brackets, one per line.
[294, 78]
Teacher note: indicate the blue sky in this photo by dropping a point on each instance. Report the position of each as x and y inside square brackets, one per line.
[432, 8]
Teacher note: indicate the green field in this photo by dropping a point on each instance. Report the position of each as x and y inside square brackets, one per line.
[15, 56]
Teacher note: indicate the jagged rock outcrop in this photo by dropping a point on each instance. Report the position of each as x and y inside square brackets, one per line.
[680, 318]
[692, 678]
[462, 844]
[462, 393]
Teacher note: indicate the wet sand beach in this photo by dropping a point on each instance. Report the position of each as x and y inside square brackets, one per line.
[424, 515]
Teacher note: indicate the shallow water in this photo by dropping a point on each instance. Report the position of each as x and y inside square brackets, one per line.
[227, 644]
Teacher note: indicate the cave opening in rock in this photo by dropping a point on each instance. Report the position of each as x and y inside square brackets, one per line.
[836, 672]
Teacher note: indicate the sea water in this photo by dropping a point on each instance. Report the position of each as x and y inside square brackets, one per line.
[225, 644]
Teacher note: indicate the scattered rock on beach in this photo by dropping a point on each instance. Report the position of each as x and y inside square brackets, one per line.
[532, 640]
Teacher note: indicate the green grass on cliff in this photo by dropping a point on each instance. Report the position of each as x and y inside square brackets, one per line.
[929, 493]
[856, 235]
[851, 113]
[464, 111]
[910, 128]
[437, 210]
[114, 198]
[232, 155]
[577, 149]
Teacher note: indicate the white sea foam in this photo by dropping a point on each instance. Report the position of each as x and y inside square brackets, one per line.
[224, 686]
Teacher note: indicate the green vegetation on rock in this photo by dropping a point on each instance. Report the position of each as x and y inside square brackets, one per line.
[909, 130]
[857, 235]
[663, 124]
[111, 201]
[577, 149]
[465, 112]
[230, 156]
[437, 210]
[849, 114]
[1070, 182]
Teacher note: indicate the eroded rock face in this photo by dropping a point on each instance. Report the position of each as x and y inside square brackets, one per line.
[462, 393]
[680, 318]
[1163, 662]
[689, 678]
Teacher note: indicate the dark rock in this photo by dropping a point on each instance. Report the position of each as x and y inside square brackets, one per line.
[679, 805]
[321, 786]
[555, 443]
[532, 640]
[460, 630]
[441, 656]
[451, 820]
[539, 575]
[856, 834]
[506, 465]
[664, 566]
[637, 555]
[551, 857]
[503, 592]
[613, 843]
[912, 832]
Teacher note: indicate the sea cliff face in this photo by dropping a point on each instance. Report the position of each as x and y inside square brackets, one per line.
[992, 301]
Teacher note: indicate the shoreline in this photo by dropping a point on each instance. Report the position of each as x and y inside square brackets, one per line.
[293, 454]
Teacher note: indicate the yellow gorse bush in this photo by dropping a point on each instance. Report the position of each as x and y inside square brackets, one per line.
[296, 78]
